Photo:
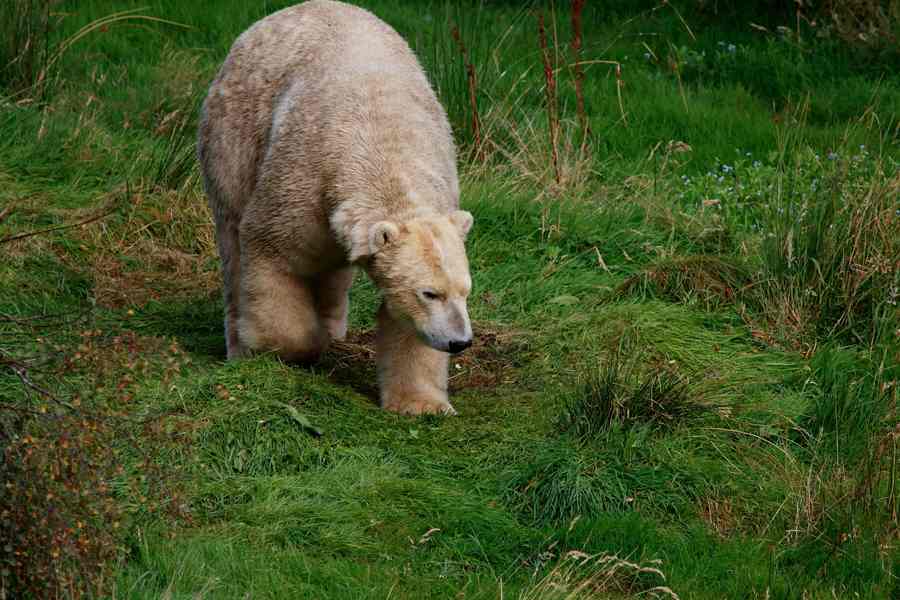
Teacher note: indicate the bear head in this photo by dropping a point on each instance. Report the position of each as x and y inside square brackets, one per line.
[421, 268]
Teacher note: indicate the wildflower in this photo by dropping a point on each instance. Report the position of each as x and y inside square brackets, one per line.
[732, 48]
[832, 156]
[727, 168]
[756, 164]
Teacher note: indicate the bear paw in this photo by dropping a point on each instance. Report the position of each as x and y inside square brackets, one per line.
[420, 407]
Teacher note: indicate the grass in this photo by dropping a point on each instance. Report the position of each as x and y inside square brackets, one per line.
[684, 380]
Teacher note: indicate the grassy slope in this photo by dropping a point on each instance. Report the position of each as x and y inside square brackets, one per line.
[747, 496]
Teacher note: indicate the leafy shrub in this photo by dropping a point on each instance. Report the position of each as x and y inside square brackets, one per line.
[58, 517]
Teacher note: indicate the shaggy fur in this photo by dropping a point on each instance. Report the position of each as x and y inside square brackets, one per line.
[323, 146]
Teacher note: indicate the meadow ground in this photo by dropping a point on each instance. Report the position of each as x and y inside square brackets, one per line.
[684, 380]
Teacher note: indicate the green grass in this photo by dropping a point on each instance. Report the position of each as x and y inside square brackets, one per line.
[686, 359]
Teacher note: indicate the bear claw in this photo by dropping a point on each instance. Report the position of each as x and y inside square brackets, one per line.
[422, 408]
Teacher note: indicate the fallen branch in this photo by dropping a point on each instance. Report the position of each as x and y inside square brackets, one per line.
[21, 371]
[6, 212]
[28, 234]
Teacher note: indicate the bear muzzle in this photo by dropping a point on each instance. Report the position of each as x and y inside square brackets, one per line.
[457, 346]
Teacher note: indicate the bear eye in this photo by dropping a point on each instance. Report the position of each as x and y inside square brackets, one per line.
[430, 295]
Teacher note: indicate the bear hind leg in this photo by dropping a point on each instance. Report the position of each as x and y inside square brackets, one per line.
[278, 313]
[333, 302]
[229, 245]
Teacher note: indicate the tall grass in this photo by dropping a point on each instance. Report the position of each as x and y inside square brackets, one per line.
[31, 48]
[25, 45]
[831, 252]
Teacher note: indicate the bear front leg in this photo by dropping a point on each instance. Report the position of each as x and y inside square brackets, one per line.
[412, 376]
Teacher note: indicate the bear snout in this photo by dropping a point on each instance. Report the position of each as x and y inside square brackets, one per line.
[457, 346]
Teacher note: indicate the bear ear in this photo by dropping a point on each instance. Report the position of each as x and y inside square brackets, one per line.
[381, 234]
[463, 220]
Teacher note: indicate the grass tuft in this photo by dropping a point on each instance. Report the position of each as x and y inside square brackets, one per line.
[581, 576]
[614, 395]
[711, 280]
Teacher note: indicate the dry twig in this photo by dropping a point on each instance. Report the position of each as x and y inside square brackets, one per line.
[28, 234]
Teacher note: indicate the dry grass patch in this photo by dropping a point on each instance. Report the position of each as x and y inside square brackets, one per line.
[712, 280]
[581, 576]
[719, 514]
[517, 146]
[167, 274]
[164, 249]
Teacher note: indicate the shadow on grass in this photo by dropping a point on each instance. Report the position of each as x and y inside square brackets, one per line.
[197, 326]
[196, 323]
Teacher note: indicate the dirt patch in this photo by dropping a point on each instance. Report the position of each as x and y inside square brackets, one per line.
[491, 362]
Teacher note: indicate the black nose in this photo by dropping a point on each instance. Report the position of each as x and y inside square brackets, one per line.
[457, 346]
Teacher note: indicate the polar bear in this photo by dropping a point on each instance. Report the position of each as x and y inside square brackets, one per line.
[324, 148]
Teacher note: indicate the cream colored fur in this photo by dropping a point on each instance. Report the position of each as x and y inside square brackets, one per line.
[323, 146]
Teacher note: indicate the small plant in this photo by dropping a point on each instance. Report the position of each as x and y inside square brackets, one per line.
[578, 72]
[472, 83]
